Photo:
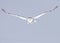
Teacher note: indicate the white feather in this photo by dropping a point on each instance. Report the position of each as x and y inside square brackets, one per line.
[39, 15]
[23, 18]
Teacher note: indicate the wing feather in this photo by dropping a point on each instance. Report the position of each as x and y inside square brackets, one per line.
[3, 10]
[45, 12]
[39, 15]
[23, 18]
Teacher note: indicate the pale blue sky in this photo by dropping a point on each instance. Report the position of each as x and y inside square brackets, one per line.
[14, 30]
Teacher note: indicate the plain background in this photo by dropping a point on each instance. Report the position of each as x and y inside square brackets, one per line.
[15, 30]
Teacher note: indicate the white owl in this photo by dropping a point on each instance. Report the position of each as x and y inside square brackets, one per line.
[30, 19]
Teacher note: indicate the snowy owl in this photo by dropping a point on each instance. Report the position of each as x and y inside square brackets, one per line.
[30, 20]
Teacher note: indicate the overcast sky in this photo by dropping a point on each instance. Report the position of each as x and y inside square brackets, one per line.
[15, 30]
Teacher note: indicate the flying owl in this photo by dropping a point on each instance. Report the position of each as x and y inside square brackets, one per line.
[30, 20]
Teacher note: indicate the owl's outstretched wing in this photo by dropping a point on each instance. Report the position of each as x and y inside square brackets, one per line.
[23, 18]
[39, 15]
[45, 12]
